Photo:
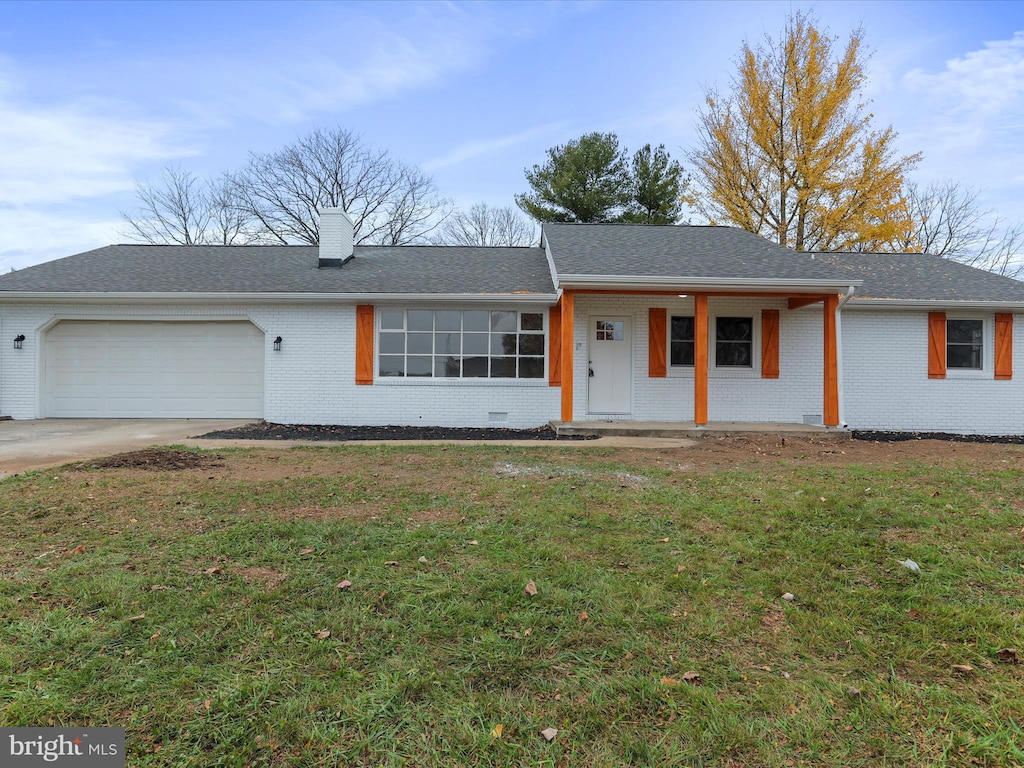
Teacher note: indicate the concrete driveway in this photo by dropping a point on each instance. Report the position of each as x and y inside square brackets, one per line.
[40, 443]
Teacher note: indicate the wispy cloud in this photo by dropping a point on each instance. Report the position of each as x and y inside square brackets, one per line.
[31, 235]
[472, 150]
[371, 61]
[57, 152]
[977, 95]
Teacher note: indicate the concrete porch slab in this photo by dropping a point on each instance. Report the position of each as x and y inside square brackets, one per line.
[688, 429]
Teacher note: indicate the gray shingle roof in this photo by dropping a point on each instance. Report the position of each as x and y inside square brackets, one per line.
[923, 277]
[678, 251]
[288, 269]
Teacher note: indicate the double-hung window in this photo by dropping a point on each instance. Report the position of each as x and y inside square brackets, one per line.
[680, 345]
[734, 342]
[964, 344]
[467, 344]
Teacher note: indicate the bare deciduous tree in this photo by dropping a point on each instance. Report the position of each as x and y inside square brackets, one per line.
[391, 203]
[486, 225]
[184, 210]
[948, 222]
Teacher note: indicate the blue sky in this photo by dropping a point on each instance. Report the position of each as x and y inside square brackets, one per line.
[95, 95]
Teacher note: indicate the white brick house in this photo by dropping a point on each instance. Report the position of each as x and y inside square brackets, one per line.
[602, 322]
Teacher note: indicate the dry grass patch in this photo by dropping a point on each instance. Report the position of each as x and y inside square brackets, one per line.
[200, 609]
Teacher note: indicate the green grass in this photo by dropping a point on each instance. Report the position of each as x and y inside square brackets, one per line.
[676, 570]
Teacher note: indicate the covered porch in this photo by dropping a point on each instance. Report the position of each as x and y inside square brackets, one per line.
[654, 363]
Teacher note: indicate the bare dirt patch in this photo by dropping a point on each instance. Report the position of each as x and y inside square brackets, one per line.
[268, 578]
[159, 459]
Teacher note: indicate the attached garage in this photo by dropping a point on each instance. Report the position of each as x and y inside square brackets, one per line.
[135, 369]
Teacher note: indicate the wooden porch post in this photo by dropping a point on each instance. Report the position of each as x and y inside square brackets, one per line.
[567, 350]
[831, 407]
[700, 359]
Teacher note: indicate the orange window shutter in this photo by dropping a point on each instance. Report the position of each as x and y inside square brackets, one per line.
[1004, 346]
[936, 345]
[364, 344]
[769, 344]
[555, 342]
[657, 342]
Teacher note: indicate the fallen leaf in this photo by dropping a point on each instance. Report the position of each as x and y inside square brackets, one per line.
[79, 549]
[963, 669]
[583, 616]
[497, 730]
[913, 613]
[208, 703]
[474, 543]
[628, 656]
[851, 691]
[423, 559]
[822, 499]
[344, 584]
[140, 617]
[786, 675]
[323, 634]
[154, 637]
[680, 568]
[212, 571]
[691, 677]
[664, 541]
[391, 562]
[669, 681]
[528, 631]
[158, 588]
[1008, 656]
[307, 551]
[530, 588]
[549, 733]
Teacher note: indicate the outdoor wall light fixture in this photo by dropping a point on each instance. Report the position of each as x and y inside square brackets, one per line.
[277, 344]
[19, 340]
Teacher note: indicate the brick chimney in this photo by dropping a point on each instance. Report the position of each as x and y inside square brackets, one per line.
[336, 237]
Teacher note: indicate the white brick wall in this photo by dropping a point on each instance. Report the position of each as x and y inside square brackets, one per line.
[886, 384]
[732, 395]
[311, 380]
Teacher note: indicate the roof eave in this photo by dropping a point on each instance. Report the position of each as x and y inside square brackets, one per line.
[857, 302]
[188, 297]
[690, 283]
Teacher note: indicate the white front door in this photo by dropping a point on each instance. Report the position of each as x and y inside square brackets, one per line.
[610, 351]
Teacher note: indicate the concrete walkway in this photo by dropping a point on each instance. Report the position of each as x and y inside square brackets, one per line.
[37, 444]
[688, 429]
[41, 443]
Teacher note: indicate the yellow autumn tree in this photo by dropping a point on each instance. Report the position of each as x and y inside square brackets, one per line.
[789, 152]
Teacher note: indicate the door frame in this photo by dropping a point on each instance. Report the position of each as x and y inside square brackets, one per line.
[628, 337]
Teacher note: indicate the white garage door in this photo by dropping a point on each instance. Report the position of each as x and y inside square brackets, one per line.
[175, 370]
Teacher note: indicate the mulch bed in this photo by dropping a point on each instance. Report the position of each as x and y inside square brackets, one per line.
[326, 432]
[902, 437]
[159, 459]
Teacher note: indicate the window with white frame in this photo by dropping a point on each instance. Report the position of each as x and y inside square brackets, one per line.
[680, 341]
[964, 344]
[734, 342]
[467, 344]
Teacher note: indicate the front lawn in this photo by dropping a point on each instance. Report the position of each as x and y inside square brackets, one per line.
[199, 607]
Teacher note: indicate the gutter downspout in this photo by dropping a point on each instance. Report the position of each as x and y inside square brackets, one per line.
[839, 353]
